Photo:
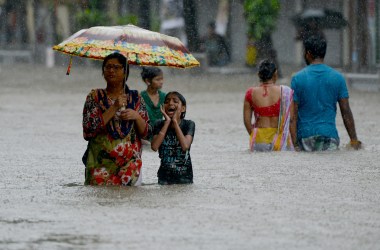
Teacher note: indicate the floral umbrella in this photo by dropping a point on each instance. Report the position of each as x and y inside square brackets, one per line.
[139, 46]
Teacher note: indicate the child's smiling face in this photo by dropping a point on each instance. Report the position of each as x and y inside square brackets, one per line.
[173, 106]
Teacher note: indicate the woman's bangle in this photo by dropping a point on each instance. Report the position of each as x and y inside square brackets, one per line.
[162, 133]
[355, 142]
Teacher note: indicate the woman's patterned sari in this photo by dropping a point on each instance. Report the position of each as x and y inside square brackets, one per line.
[281, 140]
[113, 155]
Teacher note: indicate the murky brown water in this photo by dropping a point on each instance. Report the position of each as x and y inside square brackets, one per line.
[238, 200]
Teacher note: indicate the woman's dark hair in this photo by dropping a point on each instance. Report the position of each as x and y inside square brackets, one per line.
[267, 69]
[316, 45]
[150, 72]
[122, 60]
[181, 98]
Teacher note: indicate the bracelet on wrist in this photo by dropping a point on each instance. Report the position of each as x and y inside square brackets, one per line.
[355, 142]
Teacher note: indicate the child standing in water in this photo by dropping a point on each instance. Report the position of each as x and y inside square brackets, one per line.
[172, 138]
[153, 96]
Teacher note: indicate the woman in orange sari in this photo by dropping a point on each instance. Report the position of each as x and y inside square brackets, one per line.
[270, 105]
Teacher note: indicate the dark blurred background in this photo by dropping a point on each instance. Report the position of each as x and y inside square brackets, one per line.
[251, 29]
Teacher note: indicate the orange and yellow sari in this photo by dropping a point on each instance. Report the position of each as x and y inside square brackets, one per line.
[275, 139]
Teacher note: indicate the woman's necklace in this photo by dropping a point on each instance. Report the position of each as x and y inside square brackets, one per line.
[265, 86]
[114, 95]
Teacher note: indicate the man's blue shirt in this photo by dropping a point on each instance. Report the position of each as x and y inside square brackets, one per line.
[317, 89]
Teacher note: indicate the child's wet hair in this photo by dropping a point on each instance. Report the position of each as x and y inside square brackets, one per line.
[150, 72]
[181, 98]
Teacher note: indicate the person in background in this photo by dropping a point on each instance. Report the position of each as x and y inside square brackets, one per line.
[172, 138]
[317, 90]
[114, 121]
[270, 104]
[216, 48]
[153, 77]
[308, 29]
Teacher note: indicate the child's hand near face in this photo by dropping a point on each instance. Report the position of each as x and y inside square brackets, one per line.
[167, 118]
[177, 115]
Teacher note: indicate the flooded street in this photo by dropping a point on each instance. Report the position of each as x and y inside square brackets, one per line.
[239, 200]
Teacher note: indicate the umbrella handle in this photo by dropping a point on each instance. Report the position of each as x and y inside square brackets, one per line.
[124, 83]
[69, 67]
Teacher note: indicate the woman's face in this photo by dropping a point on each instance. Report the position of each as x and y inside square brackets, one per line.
[114, 71]
[157, 82]
[172, 104]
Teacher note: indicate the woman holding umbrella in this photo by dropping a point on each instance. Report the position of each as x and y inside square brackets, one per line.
[114, 121]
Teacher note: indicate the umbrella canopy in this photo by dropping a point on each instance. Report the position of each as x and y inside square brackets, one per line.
[322, 18]
[139, 46]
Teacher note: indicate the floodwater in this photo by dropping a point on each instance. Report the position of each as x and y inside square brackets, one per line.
[239, 200]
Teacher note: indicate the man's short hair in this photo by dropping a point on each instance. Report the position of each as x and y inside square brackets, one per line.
[316, 45]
